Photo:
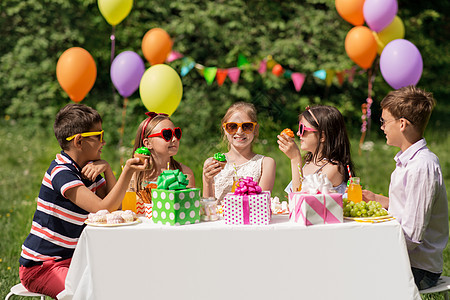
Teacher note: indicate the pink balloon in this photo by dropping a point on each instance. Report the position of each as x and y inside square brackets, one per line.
[401, 63]
[379, 13]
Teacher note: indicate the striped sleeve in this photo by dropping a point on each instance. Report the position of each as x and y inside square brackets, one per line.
[63, 179]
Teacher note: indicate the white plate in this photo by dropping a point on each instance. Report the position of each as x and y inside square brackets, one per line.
[369, 218]
[112, 225]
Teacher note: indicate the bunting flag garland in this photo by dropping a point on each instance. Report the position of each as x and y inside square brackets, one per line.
[266, 64]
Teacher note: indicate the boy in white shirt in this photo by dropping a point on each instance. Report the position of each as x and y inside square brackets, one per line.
[417, 195]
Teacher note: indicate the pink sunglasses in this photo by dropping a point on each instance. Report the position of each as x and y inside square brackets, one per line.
[302, 128]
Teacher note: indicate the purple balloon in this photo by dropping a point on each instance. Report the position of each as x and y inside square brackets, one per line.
[126, 72]
[401, 63]
[379, 13]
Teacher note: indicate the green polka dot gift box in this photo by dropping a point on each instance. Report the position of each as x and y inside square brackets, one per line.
[173, 204]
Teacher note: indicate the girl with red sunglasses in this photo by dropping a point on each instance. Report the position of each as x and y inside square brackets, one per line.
[324, 138]
[162, 138]
[240, 129]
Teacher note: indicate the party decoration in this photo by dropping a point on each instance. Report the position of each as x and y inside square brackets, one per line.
[351, 11]
[209, 74]
[161, 89]
[174, 55]
[126, 72]
[187, 65]
[277, 70]
[401, 63]
[321, 74]
[233, 74]
[262, 66]
[298, 79]
[156, 46]
[361, 46]
[221, 75]
[172, 180]
[330, 77]
[242, 61]
[76, 72]
[247, 186]
[114, 11]
[379, 13]
[394, 31]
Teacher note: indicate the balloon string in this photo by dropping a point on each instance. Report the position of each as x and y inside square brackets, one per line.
[122, 128]
[113, 43]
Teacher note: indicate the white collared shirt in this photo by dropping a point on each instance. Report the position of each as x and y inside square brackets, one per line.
[418, 200]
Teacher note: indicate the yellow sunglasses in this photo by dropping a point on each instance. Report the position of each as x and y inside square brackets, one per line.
[86, 134]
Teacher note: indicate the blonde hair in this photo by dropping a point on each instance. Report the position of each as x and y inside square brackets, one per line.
[244, 107]
[412, 104]
[150, 124]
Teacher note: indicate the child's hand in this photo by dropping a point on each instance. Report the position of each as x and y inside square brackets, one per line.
[94, 168]
[135, 164]
[288, 146]
[210, 169]
[368, 196]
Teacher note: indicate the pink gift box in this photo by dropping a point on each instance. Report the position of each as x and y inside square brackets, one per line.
[309, 209]
[247, 209]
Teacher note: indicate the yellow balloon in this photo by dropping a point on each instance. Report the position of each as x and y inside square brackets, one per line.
[161, 89]
[394, 31]
[114, 11]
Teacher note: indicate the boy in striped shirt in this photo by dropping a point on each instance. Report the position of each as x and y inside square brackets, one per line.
[71, 188]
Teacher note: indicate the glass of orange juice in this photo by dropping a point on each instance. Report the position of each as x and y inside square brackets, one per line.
[129, 201]
[354, 190]
[235, 182]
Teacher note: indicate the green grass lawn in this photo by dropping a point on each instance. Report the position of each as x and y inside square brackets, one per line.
[25, 158]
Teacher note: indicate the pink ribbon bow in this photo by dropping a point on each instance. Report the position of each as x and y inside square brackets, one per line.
[246, 186]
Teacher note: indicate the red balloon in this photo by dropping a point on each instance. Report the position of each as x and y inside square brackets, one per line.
[76, 72]
[156, 46]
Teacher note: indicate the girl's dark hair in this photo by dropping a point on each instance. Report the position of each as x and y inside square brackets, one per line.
[336, 144]
[149, 124]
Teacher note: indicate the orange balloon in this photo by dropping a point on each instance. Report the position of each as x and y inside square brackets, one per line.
[156, 45]
[361, 46]
[351, 11]
[76, 72]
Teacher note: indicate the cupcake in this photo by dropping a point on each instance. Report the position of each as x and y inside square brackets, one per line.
[221, 159]
[288, 132]
[142, 153]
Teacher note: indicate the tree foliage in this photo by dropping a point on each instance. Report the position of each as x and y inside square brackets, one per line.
[303, 36]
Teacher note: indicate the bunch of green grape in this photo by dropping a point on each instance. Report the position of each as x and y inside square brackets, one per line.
[363, 209]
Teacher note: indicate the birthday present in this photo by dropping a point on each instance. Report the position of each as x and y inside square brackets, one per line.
[173, 203]
[317, 203]
[247, 205]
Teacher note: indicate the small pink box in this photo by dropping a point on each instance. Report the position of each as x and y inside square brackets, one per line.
[309, 209]
[247, 209]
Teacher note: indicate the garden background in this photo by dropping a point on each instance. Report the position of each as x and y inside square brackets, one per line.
[302, 36]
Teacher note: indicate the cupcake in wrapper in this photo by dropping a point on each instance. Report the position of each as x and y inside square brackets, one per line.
[288, 132]
[221, 159]
[142, 153]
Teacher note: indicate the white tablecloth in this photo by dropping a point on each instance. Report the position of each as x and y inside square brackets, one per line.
[212, 260]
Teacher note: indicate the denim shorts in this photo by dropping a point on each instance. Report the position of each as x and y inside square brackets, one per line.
[424, 279]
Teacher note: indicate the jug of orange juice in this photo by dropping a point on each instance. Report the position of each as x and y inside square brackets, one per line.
[354, 190]
[129, 201]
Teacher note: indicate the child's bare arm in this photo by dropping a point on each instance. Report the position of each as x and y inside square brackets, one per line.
[371, 196]
[267, 179]
[89, 201]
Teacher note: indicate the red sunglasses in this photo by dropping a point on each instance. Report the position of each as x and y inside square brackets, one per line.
[302, 128]
[167, 134]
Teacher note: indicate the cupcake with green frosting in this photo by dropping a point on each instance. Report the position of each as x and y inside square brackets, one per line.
[142, 153]
[221, 159]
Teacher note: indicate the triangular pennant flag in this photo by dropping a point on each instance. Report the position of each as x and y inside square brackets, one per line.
[187, 65]
[262, 66]
[233, 74]
[270, 62]
[330, 76]
[340, 77]
[174, 55]
[242, 61]
[287, 74]
[221, 75]
[200, 69]
[209, 74]
[321, 74]
[298, 79]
